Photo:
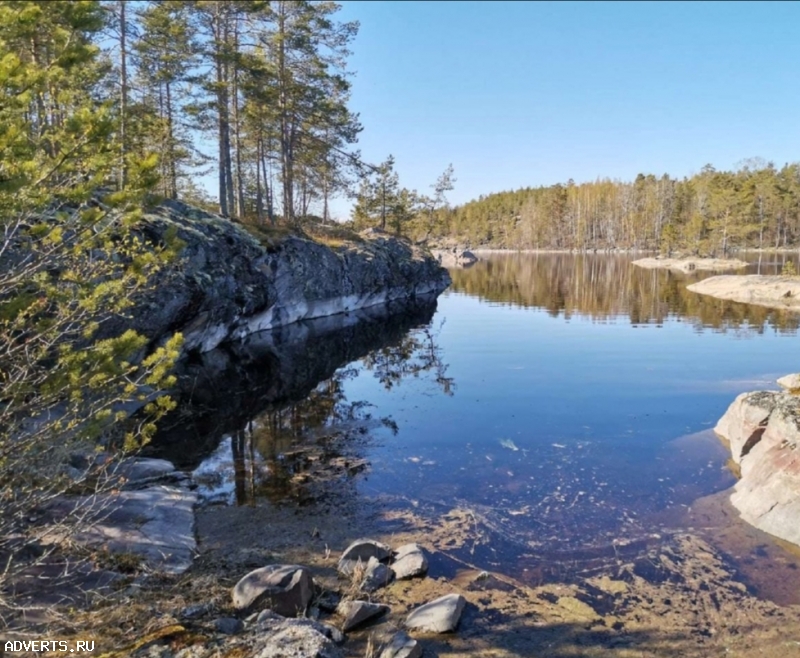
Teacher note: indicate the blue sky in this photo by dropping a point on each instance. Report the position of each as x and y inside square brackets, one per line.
[516, 94]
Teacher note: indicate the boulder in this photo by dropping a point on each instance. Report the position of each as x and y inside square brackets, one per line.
[768, 493]
[401, 646]
[294, 638]
[362, 550]
[284, 589]
[409, 562]
[790, 382]
[142, 468]
[156, 524]
[376, 575]
[356, 613]
[439, 616]
[744, 422]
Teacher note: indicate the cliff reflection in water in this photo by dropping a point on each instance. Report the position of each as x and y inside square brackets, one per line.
[269, 416]
[607, 288]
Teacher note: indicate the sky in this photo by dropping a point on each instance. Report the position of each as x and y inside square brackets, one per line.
[518, 94]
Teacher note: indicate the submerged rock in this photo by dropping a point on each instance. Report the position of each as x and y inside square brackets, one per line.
[284, 589]
[439, 616]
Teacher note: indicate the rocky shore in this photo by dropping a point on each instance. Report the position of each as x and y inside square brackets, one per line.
[229, 282]
[691, 264]
[763, 431]
[780, 292]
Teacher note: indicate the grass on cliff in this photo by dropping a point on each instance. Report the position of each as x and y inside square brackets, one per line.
[330, 235]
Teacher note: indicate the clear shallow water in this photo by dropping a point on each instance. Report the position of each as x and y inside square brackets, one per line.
[566, 400]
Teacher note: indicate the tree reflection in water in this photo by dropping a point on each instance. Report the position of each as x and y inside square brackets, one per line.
[274, 413]
[609, 288]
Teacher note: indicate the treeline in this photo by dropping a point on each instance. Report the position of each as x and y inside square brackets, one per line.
[713, 212]
[255, 91]
[566, 285]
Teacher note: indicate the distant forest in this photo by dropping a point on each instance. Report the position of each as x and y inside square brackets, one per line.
[710, 213]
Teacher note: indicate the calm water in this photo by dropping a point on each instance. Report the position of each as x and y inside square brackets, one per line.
[567, 400]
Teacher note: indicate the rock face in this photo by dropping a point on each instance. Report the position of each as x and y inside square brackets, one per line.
[284, 589]
[781, 292]
[439, 616]
[228, 284]
[768, 493]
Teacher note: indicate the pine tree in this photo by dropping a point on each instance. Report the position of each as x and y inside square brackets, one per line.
[70, 258]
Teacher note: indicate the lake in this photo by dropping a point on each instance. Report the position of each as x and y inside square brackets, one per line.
[565, 401]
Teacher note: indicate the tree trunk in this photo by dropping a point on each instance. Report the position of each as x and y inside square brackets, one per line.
[123, 101]
[173, 175]
[237, 129]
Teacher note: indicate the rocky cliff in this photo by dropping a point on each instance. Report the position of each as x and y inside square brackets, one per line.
[227, 283]
[763, 430]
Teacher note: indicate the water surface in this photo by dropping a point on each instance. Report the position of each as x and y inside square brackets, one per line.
[564, 400]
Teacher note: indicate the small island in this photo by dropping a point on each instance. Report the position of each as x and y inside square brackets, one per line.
[691, 264]
[779, 291]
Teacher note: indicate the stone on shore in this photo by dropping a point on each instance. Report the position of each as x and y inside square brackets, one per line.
[284, 589]
[156, 524]
[376, 575]
[362, 550]
[356, 613]
[409, 562]
[294, 638]
[228, 625]
[401, 646]
[439, 616]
